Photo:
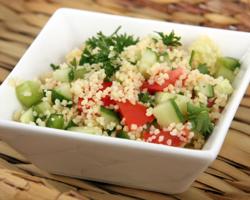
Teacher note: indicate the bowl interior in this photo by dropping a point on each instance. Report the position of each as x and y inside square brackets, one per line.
[68, 29]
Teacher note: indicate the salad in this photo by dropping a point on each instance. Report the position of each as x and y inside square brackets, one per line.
[151, 89]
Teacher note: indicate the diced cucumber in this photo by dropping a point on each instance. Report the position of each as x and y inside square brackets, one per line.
[42, 108]
[86, 129]
[177, 110]
[80, 72]
[167, 113]
[61, 93]
[62, 74]
[27, 116]
[109, 115]
[55, 121]
[29, 93]
[228, 62]
[122, 134]
[180, 100]
[225, 67]
[148, 58]
[207, 90]
[163, 96]
[225, 72]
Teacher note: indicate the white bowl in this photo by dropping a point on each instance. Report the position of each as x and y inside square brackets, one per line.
[113, 160]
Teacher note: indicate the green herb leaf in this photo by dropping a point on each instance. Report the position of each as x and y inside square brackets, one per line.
[145, 97]
[71, 74]
[203, 68]
[199, 117]
[74, 62]
[108, 49]
[191, 58]
[54, 67]
[171, 39]
[70, 124]
[122, 134]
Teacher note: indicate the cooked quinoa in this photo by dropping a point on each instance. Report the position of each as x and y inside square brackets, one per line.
[151, 89]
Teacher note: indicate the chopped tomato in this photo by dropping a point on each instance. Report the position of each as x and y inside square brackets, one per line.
[134, 114]
[79, 105]
[163, 137]
[105, 85]
[108, 101]
[155, 87]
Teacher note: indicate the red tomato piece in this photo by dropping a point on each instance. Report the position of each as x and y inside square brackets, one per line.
[79, 105]
[107, 101]
[134, 114]
[155, 87]
[105, 85]
[163, 137]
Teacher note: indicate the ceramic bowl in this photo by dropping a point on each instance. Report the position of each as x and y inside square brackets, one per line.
[113, 160]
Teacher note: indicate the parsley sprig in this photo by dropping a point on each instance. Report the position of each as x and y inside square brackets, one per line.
[145, 97]
[198, 116]
[54, 67]
[170, 39]
[108, 50]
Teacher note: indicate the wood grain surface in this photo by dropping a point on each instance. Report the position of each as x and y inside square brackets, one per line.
[226, 179]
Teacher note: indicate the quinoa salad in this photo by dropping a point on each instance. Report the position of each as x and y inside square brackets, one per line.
[152, 89]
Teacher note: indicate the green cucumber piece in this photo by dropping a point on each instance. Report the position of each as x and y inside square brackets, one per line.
[228, 62]
[148, 58]
[42, 108]
[86, 129]
[225, 67]
[163, 96]
[180, 100]
[207, 90]
[177, 110]
[27, 116]
[62, 74]
[167, 113]
[61, 93]
[55, 121]
[109, 115]
[29, 93]
[122, 134]
[225, 72]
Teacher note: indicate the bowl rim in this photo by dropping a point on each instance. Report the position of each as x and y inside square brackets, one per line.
[209, 153]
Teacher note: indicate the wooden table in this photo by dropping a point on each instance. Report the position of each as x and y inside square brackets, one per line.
[227, 178]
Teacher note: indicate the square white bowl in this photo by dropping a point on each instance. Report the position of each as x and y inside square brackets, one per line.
[113, 160]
